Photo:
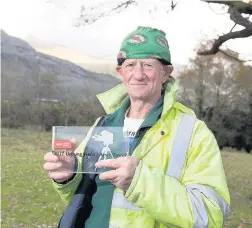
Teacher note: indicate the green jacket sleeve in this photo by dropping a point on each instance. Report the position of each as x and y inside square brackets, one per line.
[179, 203]
[66, 191]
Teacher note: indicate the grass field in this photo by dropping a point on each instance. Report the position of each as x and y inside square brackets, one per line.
[28, 199]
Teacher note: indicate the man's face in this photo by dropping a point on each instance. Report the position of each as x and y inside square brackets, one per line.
[143, 78]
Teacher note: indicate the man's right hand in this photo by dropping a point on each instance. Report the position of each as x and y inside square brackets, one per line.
[60, 167]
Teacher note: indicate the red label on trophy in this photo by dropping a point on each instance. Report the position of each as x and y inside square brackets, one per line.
[63, 144]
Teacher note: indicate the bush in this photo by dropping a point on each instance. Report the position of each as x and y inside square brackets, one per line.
[44, 115]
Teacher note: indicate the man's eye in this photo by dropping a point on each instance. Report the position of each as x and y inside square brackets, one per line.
[147, 65]
[130, 65]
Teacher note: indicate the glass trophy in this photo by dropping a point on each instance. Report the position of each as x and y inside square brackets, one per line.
[106, 139]
[102, 144]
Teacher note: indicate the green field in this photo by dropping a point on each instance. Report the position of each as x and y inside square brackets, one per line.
[28, 199]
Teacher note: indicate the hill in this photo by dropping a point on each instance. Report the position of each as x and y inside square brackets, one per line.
[28, 73]
[80, 58]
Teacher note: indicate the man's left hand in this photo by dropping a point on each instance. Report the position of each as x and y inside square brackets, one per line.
[124, 171]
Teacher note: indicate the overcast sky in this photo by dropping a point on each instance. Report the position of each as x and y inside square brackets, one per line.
[53, 21]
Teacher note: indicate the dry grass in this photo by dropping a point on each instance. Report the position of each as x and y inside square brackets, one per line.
[28, 199]
[238, 169]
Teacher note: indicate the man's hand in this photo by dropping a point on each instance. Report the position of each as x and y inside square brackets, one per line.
[60, 166]
[124, 171]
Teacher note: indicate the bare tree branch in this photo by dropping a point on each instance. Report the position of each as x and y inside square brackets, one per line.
[90, 15]
[218, 42]
[233, 27]
[236, 9]
[235, 15]
[87, 18]
[124, 5]
[228, 3]
[173, 5]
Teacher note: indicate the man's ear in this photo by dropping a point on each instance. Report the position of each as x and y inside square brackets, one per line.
[119, 70]
[168, 69]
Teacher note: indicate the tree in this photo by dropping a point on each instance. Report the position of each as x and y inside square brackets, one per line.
[48, 89]
[236, 9]
[218, 89]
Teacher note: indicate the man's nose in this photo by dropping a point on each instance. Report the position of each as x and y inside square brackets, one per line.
[139, 72]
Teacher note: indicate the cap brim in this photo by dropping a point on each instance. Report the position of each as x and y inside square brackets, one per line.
[120, 61]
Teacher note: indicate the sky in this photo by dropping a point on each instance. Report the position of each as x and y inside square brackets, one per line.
[186, 26]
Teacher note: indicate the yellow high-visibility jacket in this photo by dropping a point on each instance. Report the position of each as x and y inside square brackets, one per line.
[198, 198]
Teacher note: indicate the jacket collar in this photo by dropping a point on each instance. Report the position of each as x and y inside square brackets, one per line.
[112, 99]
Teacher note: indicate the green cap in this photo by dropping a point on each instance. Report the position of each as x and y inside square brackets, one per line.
[143, 43]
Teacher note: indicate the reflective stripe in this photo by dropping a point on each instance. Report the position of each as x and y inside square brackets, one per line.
[195, 191]
[211, 194]
[199, 209]
[180, 146]
[119, 201]
[113, 226]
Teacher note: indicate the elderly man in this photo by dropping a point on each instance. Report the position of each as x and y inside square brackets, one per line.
[173, 176]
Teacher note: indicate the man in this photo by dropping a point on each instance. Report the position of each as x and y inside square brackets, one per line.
[173, 176]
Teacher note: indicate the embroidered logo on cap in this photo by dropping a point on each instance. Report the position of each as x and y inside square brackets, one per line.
[162, 41]
[137, 40]
[122, 55]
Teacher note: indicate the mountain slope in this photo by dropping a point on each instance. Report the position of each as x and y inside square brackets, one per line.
[26, 72]
[94, 64]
